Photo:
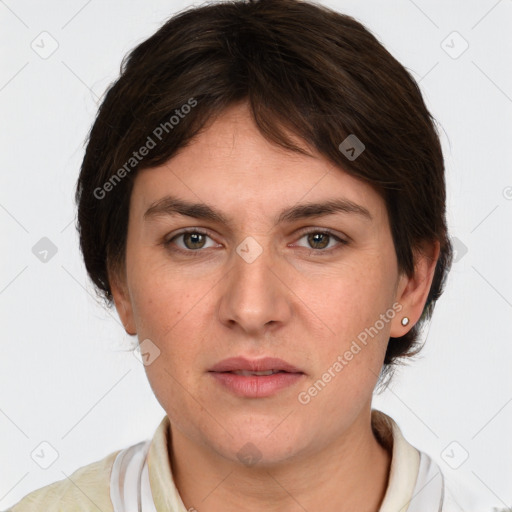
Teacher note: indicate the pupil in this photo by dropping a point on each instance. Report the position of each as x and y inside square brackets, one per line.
[314, 238]
[196, 238]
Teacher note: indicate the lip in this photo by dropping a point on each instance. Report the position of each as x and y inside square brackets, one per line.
[255, 386]
[254, 365]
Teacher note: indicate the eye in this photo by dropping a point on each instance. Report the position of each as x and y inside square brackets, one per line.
[191, 241]
[319, 240]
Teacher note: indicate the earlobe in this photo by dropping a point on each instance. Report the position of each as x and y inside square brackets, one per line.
[412, 291]
[127, 319]
[123, 303]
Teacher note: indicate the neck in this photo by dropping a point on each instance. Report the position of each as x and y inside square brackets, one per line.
[350, 474]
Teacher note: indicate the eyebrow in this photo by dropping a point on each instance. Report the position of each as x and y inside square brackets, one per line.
[170, 205]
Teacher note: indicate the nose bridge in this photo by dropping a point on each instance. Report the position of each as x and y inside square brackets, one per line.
[253, 295]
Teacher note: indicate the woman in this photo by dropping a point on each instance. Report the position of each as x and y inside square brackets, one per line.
[263, 199]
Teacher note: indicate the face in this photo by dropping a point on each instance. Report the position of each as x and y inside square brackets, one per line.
[253, 274]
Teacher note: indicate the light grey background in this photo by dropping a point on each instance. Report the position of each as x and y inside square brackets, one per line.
[68, 377]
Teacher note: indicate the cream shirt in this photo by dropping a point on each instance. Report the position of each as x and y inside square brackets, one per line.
[139, 479]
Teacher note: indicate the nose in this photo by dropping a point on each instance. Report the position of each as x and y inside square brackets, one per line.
[255, 296]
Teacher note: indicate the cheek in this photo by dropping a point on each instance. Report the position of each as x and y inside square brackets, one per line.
[159, 296]
[175, 313]
[356, 307]
[353, 298]
[168, 316]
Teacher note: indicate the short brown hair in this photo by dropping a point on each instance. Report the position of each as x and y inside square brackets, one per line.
[301, 67]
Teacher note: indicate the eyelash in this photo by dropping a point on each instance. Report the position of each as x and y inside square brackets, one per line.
[197, 252]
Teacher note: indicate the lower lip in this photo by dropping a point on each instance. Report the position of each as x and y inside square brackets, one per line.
[254, 386]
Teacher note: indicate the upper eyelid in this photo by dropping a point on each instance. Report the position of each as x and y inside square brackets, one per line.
[301, 232]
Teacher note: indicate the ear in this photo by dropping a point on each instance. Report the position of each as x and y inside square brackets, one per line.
[412, 292]
[122, 300]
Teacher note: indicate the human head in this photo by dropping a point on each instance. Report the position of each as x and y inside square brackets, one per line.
[304, 70]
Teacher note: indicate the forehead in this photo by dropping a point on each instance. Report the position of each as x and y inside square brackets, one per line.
[232, 165]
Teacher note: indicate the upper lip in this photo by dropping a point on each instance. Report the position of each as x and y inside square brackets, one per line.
[254, 365]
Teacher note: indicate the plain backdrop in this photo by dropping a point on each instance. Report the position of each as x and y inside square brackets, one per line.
[68, 376]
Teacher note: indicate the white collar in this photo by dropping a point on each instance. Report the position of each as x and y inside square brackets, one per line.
[416, 483]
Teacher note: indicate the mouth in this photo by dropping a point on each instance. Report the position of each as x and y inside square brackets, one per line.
[257, 378]
[245, 367]
[248, 373]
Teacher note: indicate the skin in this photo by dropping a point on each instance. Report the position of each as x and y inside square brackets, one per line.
[293, 301]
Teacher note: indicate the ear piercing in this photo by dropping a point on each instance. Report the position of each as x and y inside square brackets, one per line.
[405, 321]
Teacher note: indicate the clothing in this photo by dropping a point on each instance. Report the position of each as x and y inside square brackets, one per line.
[139, 478]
